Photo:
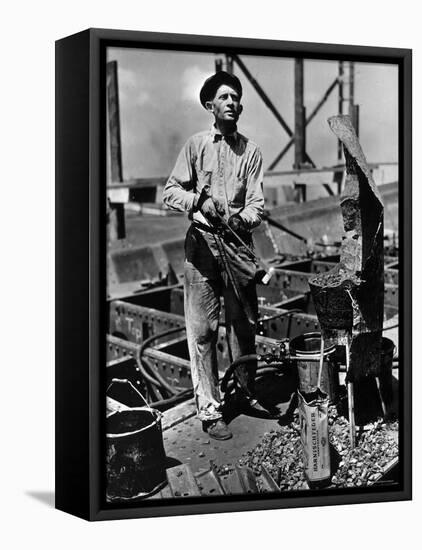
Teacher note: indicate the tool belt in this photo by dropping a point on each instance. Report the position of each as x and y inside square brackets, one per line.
[219, 248]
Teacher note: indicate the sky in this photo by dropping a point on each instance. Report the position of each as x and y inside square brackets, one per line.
[160, 109]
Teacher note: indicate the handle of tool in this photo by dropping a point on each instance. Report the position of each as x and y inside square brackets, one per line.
[267, 277]
[350, 400]
[321, 362]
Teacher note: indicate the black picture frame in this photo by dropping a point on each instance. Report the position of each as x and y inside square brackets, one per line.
[81, 269]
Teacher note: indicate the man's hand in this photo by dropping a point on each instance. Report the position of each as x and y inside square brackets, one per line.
[210, 208]
[237, 224]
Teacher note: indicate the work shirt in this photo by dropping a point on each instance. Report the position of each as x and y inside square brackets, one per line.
[230, 169]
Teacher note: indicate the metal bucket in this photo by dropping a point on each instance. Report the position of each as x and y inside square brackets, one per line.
[331, 299]
[307, 348]
[135, 457]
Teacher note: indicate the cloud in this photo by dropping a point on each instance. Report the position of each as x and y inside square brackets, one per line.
[192, 79]
[143, 98]
[130, 88]
[127, 78]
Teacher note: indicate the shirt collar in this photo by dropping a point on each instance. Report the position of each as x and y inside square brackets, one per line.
[217, 135]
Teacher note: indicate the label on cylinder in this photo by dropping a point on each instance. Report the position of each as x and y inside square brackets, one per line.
[313, 416]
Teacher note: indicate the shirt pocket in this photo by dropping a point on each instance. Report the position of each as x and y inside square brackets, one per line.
[238, 194]
[204, 180]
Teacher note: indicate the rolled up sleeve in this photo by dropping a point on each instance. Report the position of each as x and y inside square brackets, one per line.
[179, 191]
[254, 201]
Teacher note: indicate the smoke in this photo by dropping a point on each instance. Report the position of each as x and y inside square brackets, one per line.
[192, 80]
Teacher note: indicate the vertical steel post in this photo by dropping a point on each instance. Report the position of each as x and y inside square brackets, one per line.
[353, 109]
[218, 65]
[229, 64]
[355, 118]
[340, 104]
[116, 221]
[300, 116]
[114, 122]
[338, 176]
[351, 86]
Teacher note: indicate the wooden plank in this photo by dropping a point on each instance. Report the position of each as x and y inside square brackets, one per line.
[178, 414]
[113, 406]
[182, 482]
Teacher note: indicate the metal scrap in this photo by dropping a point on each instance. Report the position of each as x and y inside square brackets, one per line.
[280, 454]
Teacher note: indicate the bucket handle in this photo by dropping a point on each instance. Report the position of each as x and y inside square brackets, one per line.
[321, 361]
[126, 381]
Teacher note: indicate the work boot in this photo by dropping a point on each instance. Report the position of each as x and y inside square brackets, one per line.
[217, 429]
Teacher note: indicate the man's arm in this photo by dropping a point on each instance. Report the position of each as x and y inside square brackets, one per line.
[254, 202]
[179, 191]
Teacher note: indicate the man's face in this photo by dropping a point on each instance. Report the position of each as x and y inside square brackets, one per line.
[226, 105]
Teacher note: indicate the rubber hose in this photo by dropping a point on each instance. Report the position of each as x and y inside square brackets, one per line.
[145, 374]
[153, 376]
[260, 372]
[147, 342]
[151, 389]
[158, 376]
[241, 360]
[246, 359]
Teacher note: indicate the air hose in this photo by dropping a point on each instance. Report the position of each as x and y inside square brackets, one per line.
[148, 371]
[266, 364]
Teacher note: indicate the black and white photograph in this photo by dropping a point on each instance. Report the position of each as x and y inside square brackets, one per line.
[253, 266]
[210, 277]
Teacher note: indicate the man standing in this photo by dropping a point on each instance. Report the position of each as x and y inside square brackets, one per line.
[218, 176]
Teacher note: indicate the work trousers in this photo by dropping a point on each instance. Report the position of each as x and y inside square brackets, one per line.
[206, 281]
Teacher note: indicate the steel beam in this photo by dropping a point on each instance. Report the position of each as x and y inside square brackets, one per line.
[285, 279]
[114, 122]
[300, 134]
[391, 276]
[116, 221]
[138, 323]
[340, 105]
[263, 95]
[175, 369]
[288, 289]
[308, 120]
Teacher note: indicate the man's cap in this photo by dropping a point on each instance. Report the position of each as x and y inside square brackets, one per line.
[212, 84]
